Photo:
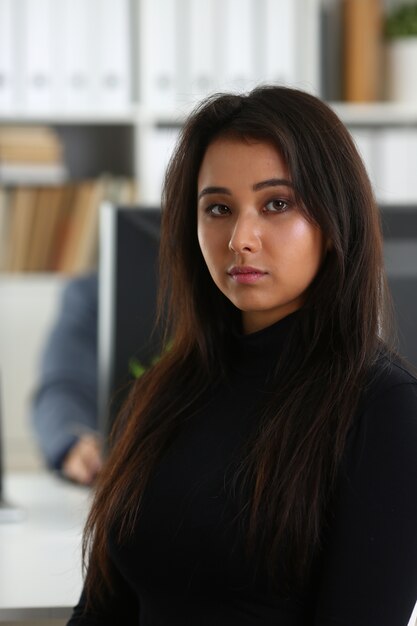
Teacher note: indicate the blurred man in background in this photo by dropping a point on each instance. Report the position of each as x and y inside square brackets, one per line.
[64, 408]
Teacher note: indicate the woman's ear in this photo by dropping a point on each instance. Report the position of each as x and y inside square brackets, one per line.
[329, 245]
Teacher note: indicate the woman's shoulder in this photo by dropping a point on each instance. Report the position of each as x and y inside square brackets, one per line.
[384, 430]
[389, 392]
[388, 371]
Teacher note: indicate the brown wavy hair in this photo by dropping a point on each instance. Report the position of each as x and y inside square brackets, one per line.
[287, 471]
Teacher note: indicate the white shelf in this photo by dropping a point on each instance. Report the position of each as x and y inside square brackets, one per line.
[352, 114]
[376, 113]
[134, 115]
[93, 117]
[163, 115]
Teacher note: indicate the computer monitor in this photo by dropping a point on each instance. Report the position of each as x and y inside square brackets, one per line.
[128, 279]
[400, 248]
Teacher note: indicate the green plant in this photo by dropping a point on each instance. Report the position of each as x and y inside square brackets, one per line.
[137, 369]
[402, 22]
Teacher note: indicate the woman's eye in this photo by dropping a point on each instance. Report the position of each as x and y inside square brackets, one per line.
[277, 206]
[217, 209]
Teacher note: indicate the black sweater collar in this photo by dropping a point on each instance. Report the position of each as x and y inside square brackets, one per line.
[257, 352]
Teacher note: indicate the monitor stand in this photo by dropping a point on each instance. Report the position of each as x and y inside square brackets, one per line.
[8, 512]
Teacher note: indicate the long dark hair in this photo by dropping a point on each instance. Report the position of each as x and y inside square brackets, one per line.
[287, 472]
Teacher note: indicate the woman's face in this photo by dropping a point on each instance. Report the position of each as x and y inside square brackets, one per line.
[260, 249]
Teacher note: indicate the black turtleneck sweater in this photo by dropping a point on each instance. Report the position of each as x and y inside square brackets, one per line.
[185, 565]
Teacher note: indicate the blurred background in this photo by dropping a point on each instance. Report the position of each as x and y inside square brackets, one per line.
[93, 94]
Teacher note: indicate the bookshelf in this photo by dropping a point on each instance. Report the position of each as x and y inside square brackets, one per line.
[65, 66]
[123, 118]
[54, 178]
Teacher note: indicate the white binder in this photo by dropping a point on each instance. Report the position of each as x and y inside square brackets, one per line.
[114, 54]
[367, 145]
[281, 42]
[158, 52]
[201, 44]
[397, 152]
[156, 145]
[7, 68]
[235, 45]
[39, 55]
[77, 26]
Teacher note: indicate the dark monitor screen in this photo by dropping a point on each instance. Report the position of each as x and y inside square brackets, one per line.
[399, 224]
[129, 245]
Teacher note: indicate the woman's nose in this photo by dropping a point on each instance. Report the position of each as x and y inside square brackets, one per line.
[246, 236]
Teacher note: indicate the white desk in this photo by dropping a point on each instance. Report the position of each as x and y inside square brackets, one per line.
[40, 557]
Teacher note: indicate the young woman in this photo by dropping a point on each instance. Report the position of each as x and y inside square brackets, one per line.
[264, 471]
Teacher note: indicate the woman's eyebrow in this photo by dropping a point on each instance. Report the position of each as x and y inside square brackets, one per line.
[207, 190]
[272, 182]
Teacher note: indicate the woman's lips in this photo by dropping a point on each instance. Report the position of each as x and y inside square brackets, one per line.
[246, 275]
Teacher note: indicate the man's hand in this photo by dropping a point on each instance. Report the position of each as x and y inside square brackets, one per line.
[83, 461]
